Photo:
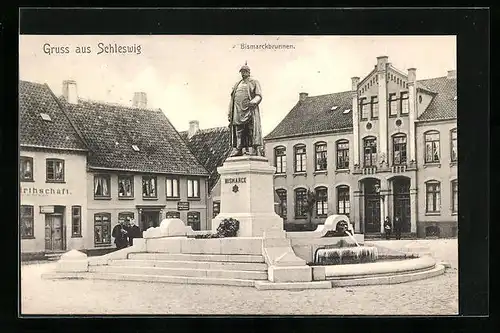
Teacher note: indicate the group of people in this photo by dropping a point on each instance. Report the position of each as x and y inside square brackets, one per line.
[388, 227]
[125, 232]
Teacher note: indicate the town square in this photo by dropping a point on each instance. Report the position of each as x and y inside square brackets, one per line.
[218, 179]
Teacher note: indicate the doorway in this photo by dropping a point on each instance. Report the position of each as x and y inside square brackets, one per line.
[54, 232]
[372, 206]
[402, 208]
[149, 219]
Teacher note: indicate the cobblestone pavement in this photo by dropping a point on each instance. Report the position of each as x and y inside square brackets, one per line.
[437, 295]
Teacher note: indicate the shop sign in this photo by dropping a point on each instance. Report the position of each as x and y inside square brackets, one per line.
[183, 205]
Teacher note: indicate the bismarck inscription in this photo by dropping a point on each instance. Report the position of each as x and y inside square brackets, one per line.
[235, 180]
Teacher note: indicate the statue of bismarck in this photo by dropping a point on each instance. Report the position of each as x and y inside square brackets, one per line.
[244, 115]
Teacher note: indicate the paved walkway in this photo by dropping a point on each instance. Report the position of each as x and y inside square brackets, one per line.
[437, 295]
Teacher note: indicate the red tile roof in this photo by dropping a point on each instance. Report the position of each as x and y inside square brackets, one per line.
[211, 147]
[58, 133]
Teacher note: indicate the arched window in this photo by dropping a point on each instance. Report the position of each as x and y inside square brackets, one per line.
[280, 159]
[321, 156]
[321, 201]
[300, 203]
[282, 211]
[399, 149]
[343, 200]
[370, 151]
[454, 196]
[342, 154]
[454, 145]
[431, 147]
[433, 196]
[300, 158]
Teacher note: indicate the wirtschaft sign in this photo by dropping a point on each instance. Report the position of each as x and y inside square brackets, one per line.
[41, 191]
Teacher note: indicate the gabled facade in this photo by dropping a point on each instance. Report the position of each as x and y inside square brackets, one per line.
[388, 147]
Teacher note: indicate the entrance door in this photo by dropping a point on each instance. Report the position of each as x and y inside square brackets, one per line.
[372, 213]
[53, 232]
[149, 219]
[402, 208]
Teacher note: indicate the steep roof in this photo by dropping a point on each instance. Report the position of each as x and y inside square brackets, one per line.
[57, 133]
[112, 130]
[314, 115]
[317, 115]
[211, 147]
[444, 103]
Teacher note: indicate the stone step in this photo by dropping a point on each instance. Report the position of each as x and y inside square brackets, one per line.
[221, 265]
[198, 257]
[170, 279]
[183, 272]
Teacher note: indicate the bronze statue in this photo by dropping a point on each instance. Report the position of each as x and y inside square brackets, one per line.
[244, 116]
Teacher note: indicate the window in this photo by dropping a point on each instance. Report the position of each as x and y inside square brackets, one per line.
[454, 196]
[193, 188]
[148, 187]
[125, 186]
[55, 170]
[432, 147]
[342, 154]
[300, 158]
[321, 160]
[172, 187]
[193, 220]
[216, 208]
[282, 211]
[76, 221]
[280, 159]
[125, 217]
[393, 105]
[370, 152]
[102, 186]
[173, 215]
[454, 145]
[433, 197]
[26, 168]
[399, 149]
[404, 103]
[343, 203]
[26, 222]
[364, 108]
[374, 105]
[102, 229]
[300, 203]
[321, 202]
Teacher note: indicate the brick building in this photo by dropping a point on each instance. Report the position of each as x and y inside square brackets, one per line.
[388, 147]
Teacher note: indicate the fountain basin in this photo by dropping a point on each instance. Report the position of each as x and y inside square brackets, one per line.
[345, 255]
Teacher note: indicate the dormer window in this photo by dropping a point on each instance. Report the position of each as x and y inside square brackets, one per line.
[135, 148]
[45, 117]
[335, 107]
[346, 111]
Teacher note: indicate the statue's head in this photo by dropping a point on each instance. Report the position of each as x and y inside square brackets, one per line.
[245, 71]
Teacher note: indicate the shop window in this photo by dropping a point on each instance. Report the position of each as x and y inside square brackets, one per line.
[27, 221]
[149, 187]
[431, 147]
[280, 159]
[102, 229]
[342, 154]
[125, 186]
[216, 208]
[26, 169]
[193, 220]
[193, 188]
[172, 187]
[321, 201]
[173, 215]
[300, 158]
[102, 186]
[76, 221]
[55, 170]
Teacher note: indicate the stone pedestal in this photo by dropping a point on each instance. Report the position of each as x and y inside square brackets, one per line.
[247, 194]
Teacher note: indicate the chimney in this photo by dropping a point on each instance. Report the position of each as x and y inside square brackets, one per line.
[412, 74]
[452, 74]
[303, 96]
[382, 63]
[70, 92]
[194, 126]
[140, 100]
[355, 82]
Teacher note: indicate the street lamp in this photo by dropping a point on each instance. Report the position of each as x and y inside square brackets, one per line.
[382, 196]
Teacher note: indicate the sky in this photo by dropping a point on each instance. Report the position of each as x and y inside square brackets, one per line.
[190, 77]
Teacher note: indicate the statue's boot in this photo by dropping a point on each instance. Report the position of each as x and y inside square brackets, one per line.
[237, 151]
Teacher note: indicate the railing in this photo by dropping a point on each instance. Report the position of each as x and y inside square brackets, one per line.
[365, 170]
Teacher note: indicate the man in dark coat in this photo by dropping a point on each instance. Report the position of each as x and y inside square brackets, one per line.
[397, 227]
[387, 227]
[133, 232]
[120, 234]
[244, 115]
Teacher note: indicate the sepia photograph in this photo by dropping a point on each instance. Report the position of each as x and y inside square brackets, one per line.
[238, 174]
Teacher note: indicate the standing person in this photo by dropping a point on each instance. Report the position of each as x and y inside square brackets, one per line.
[133, 232]
[387, 227]
[120, 234]
[244, 115]
[397, 227]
